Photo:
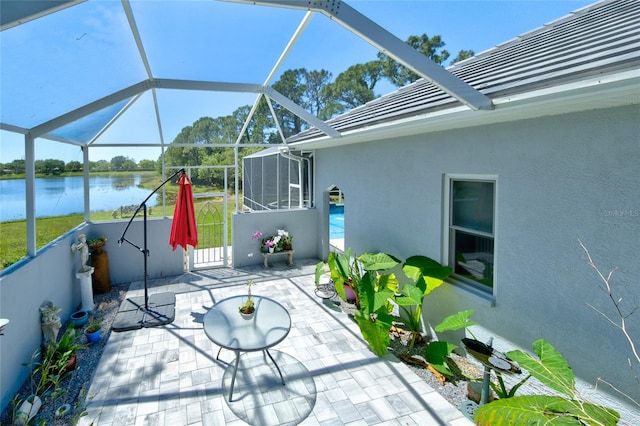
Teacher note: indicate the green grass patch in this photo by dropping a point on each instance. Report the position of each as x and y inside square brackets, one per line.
[13, 234]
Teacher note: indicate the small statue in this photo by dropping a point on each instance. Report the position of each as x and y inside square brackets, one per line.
[50, 321]
[82, 246]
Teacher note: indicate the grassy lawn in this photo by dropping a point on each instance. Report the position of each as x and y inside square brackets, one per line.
[13, 234]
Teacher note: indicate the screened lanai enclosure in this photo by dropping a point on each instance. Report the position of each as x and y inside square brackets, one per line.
[93, 80]
[274, 180]
[119, 81]
[547, 120]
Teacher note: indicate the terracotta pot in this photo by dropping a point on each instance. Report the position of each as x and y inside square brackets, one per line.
[101, 278]
[97, 247]
[71, 364]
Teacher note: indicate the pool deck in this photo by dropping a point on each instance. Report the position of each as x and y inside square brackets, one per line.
[169, 375]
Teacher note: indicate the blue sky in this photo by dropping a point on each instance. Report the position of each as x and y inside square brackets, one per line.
[477, 25]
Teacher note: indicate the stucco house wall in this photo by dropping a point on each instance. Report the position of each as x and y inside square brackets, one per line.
[559, 179]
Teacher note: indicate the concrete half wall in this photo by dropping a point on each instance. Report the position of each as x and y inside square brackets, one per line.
[50, 275]
[301, 224]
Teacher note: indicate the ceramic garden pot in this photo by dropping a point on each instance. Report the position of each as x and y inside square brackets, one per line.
[28, 410]
[94, 336]
[79, 318]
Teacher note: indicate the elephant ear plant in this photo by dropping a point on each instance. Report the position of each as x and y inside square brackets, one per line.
[375, 291]
[378, 290]
[562, 409]
[426, 275]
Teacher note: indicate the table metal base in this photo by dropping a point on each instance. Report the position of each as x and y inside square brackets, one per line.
[235, 369]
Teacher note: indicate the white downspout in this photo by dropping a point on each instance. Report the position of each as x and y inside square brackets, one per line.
[288, 155]
[85, 166]
[30, 187]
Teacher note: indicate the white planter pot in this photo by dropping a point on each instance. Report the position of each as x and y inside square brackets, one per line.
[28, 410]
[63, 410]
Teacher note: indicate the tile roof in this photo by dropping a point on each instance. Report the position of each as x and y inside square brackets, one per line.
[598, 39]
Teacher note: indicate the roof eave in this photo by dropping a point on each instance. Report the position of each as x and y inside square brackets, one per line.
[594, 93]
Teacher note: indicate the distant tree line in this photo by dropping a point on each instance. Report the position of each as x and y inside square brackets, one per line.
[52, 167]
[315, 91]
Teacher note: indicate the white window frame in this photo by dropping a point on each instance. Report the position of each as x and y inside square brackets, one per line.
[461, 282]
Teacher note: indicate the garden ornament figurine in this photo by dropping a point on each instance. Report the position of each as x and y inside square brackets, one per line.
[83, 248]
[50, 321]
[84, 273]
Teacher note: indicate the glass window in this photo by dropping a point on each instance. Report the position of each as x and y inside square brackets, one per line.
[471, 231]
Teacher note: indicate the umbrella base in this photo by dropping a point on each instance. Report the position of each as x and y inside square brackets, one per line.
[133, 314]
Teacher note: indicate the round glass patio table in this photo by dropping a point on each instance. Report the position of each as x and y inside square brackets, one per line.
[268, 326]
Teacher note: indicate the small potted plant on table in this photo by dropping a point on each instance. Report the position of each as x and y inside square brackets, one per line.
[247, 309]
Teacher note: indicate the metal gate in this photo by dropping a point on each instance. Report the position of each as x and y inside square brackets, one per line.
[213, 248]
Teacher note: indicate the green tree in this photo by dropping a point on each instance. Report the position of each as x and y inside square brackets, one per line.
[121, 163]
[147, 165]
[352, 88]
[49, 167]
[129, 165]
[316, 97]
[398, 74]
[259, 126]
[201, 134]
[462, 55]
[99, 166]
[73, 166]
[17, 166]
[292, 84]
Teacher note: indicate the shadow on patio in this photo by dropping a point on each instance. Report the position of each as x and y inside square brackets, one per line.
[170, 374]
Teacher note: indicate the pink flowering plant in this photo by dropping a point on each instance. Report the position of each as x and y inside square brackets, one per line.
[282, 240]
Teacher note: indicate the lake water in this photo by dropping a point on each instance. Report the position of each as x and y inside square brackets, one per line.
[64, 195]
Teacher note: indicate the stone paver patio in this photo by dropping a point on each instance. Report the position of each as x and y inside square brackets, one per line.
[169, 375]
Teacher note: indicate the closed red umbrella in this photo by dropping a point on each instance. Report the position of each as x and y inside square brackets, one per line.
[183, 227]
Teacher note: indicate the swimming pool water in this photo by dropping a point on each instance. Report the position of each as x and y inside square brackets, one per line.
[336, 222]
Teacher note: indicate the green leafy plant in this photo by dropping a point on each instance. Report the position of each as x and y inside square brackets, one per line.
[94, 241]
[426, 275]
[374, 292]
[345, 269]
[378, 290]
[68, 342]
[94, 325]
[365, 275]
[46, 375]
[501, 389]
[565, 409]
[437, 353]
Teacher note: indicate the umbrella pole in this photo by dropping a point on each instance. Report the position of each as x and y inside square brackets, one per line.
[146, 255]
[135, 313]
